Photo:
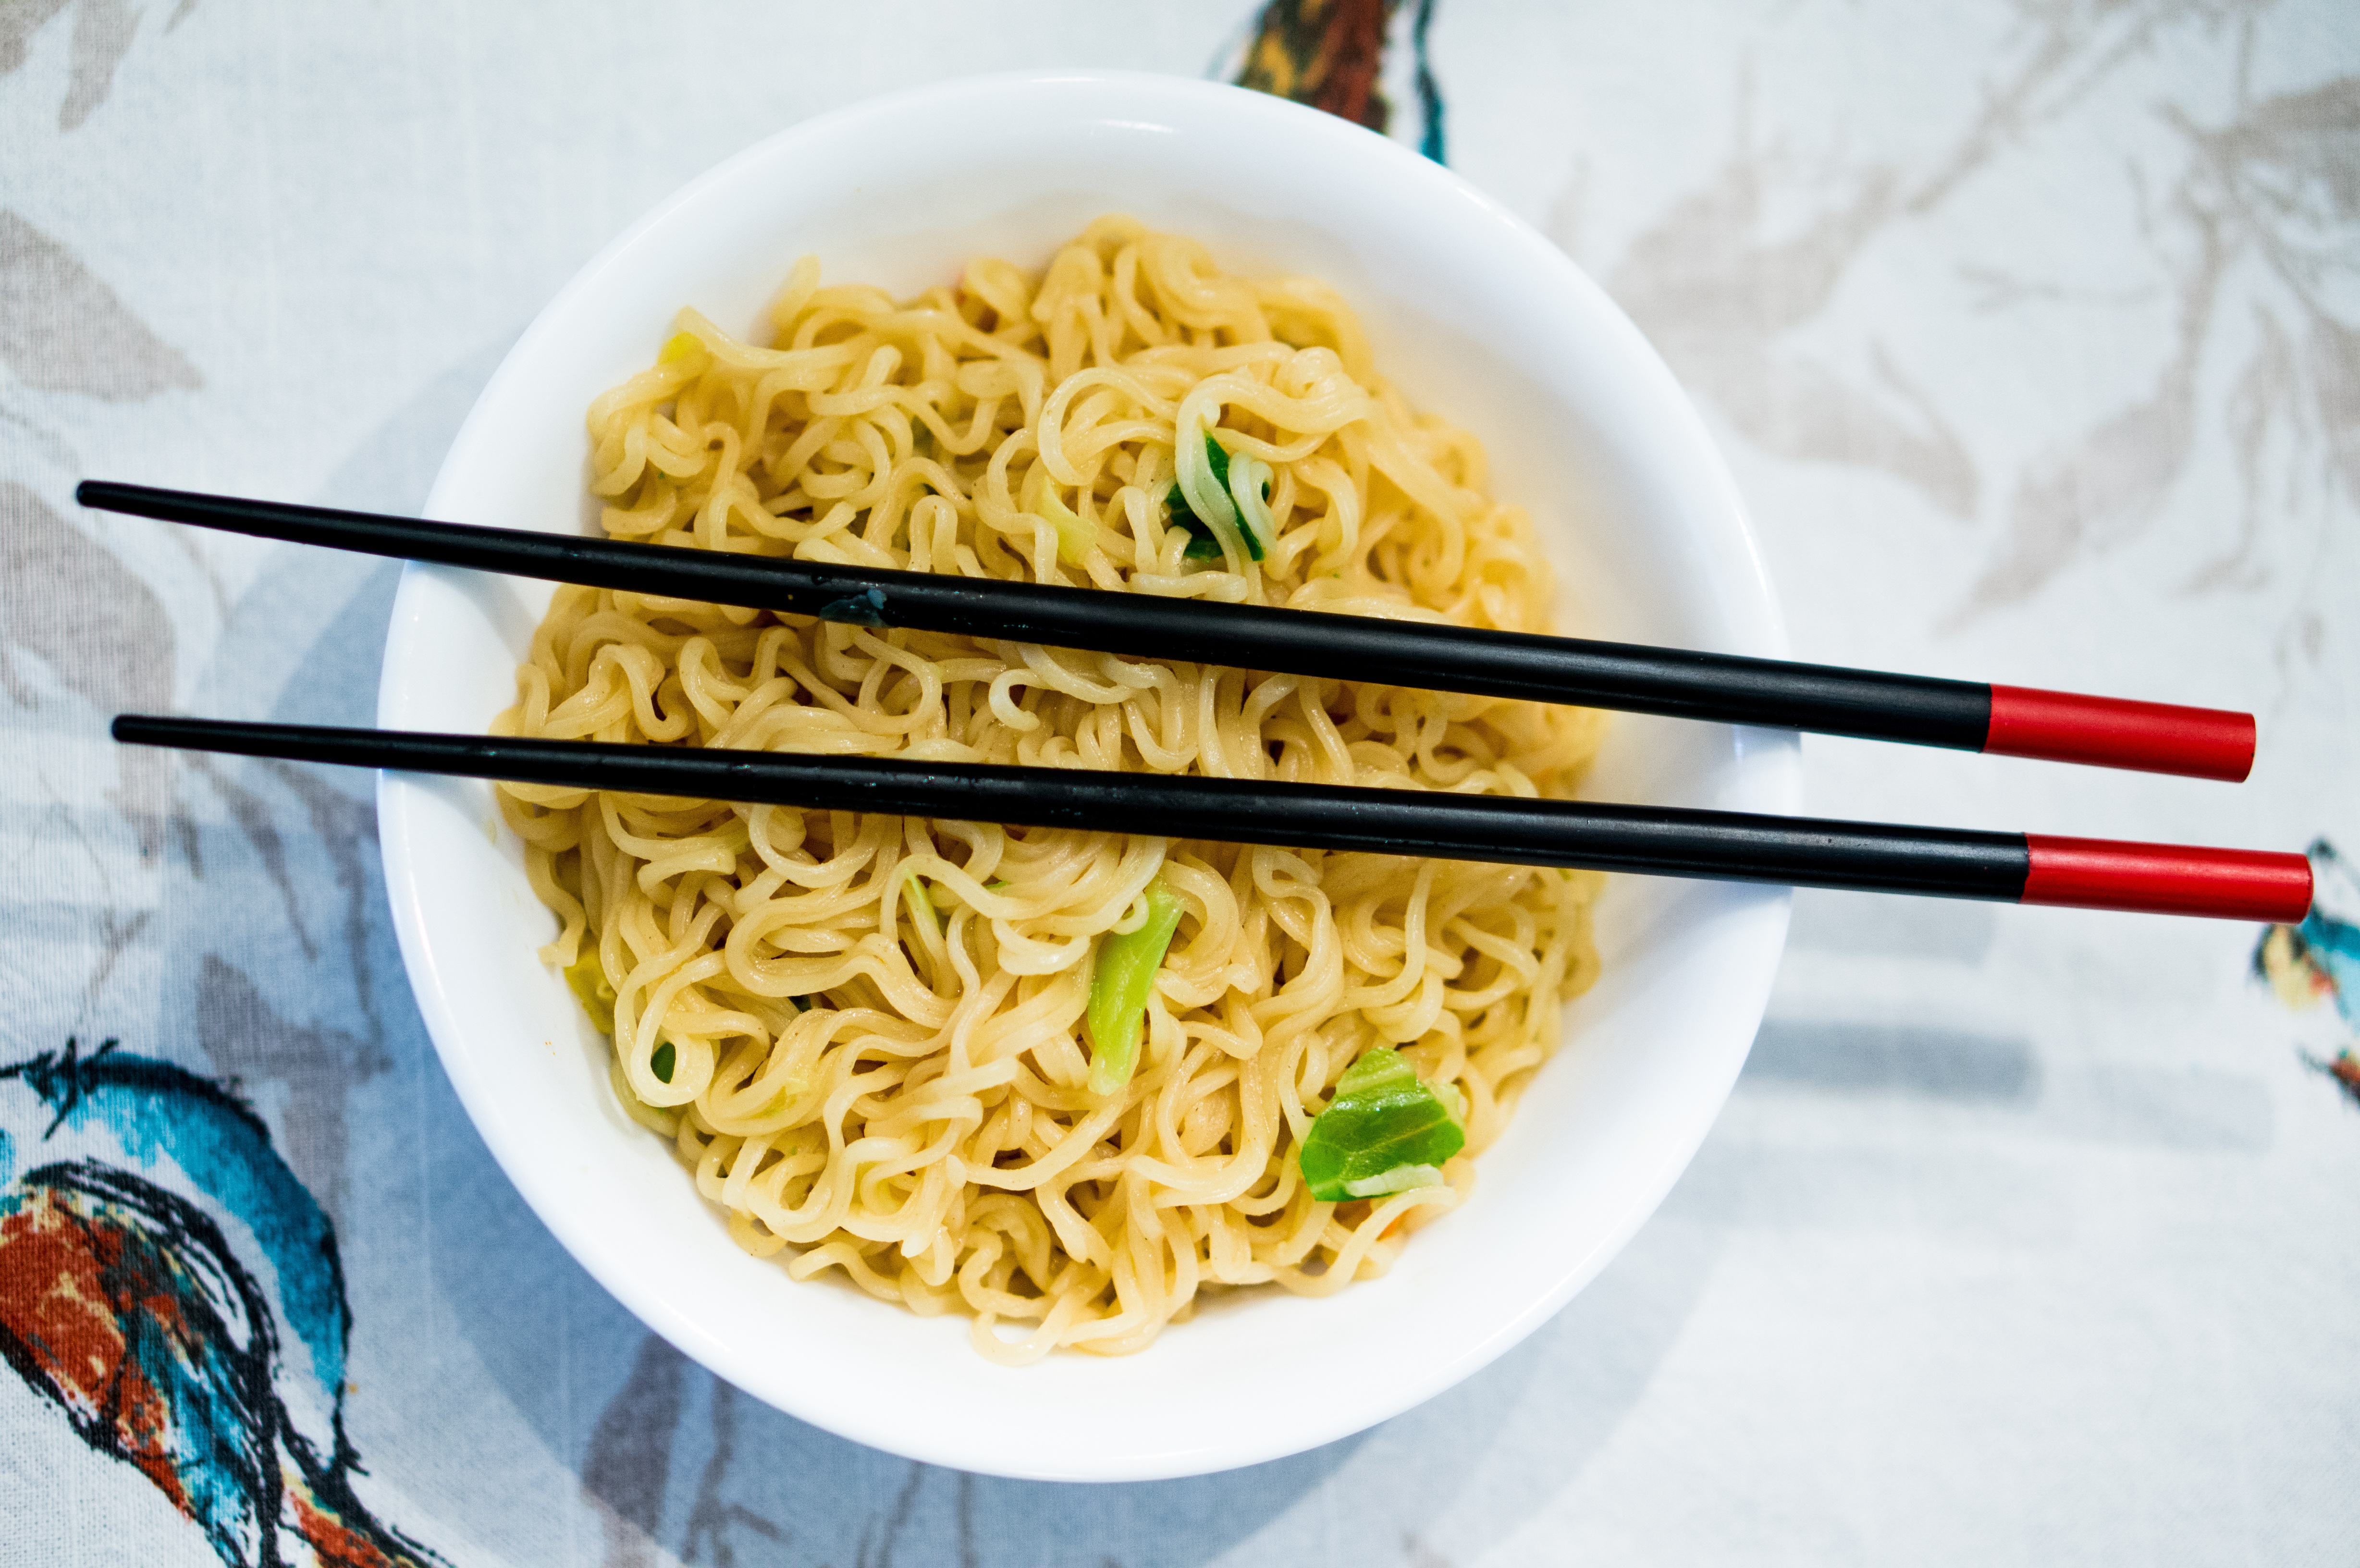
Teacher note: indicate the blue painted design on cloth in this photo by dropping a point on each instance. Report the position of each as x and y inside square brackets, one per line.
[129, 1304]
[2334, 947]
[154, 1107]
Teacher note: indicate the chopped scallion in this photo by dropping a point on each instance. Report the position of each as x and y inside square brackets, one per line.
[921, 905]
[1201, 545]
[665, 1121]
[586, 977]
[1248, 484]
[1204, 544]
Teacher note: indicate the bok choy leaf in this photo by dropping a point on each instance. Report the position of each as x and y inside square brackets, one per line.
[1119, 985]
[1384, 1131]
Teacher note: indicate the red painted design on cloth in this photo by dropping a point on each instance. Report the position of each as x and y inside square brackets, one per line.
[54, 1301]
[338, 1544]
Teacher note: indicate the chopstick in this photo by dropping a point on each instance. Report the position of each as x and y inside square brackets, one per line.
[2029, 868]
[2012, 721]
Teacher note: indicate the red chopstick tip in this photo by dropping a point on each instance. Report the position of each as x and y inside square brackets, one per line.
[2113, 732]
[2168, 879]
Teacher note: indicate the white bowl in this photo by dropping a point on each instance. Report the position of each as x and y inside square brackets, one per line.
[1478, 319]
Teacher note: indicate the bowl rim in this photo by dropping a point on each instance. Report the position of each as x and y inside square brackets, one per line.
[1772, 758]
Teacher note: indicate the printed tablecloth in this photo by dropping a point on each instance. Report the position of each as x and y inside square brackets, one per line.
[2032, 330]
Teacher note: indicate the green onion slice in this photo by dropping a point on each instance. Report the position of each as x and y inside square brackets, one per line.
[1230, 490]
[1202, 545]
[1119, 985]
[586, 977]
[1385, 1131]
[1249, 482]
[922, 903]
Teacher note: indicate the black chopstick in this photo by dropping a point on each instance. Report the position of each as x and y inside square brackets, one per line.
[2205, 743]
[1721, 845]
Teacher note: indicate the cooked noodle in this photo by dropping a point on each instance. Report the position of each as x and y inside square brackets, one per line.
[872, 1025]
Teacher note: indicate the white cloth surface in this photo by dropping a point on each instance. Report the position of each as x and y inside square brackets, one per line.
[2032, 332]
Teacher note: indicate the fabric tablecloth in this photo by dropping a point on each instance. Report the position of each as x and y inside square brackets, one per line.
[2031, 329]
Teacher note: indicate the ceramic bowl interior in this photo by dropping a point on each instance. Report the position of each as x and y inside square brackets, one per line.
[1475, 317]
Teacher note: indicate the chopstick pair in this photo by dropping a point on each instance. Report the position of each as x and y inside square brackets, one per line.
[1868, 856]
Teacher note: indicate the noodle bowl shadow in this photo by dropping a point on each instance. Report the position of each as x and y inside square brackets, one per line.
[1473, 316]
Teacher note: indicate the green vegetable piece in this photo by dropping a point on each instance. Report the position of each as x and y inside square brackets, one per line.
[1248, 488]
[665, 1121]
[921, 905]
[1203, 543]
[1074, 536]
[1385, 1131]
[1400, 1179]
[587, 979]
[1118, 990]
